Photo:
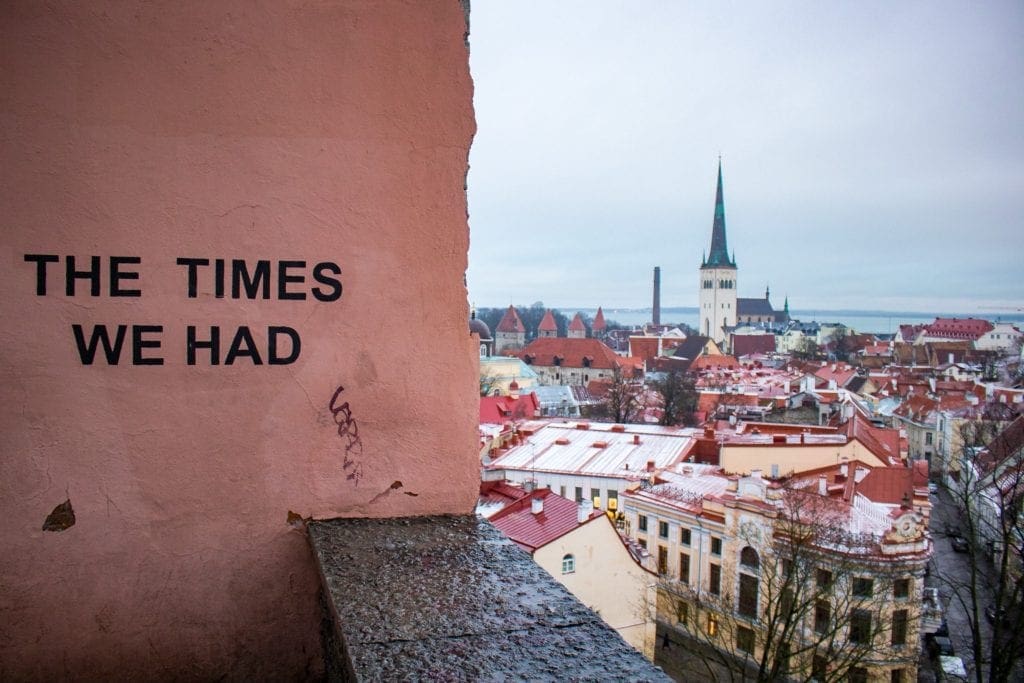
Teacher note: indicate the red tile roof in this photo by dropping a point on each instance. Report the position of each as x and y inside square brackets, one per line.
[599, 323]
[880, 349]
[958, 328]
[882, 442]
[747, 344]
[572, 352]
[709, 401]
[840, 372]
[500, 492]
[501, 409]
[891, 485]
[710, 362]
[531, 531]
[1005, 444]
[510, 322]
[577, 324]
[547, 323]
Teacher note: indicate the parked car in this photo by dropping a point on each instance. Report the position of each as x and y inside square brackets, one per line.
[933, 487]
[959, 543]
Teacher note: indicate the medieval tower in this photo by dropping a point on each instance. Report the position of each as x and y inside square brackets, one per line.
[717, 289]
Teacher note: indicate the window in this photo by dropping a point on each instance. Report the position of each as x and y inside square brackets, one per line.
[863, 588]
[641, 523]
[896, 676]
[682, 612]
[899, 627]
[613, 495]
[747, 602]
[663, 529]
[579, 494]
[819, 667]
[712, 625]
[786, 602]
[715, 579]
[822, 616]
[684, 536]
[860, 626]
[749, 558]
[662, 560]
[787, 568]
[642, 542]
[783, 654]
[595, 495]
[858, 674]
[684, 567]
[745, 640]
[901, 588]
[927, 438]
[716, 545]
[823, 578]
[568, 564]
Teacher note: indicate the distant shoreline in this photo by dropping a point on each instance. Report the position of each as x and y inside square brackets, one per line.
[837, 312]
[861, 320]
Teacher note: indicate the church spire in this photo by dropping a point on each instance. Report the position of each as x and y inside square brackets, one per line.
[719, 255]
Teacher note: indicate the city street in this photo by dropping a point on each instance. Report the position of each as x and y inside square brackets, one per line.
[950, 572]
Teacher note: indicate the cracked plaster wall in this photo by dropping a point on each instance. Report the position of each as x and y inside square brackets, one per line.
[334, 132]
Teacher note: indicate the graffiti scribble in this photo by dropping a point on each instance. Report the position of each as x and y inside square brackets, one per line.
[348, 430]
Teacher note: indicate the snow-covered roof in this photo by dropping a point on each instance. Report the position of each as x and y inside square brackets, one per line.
[596, 449]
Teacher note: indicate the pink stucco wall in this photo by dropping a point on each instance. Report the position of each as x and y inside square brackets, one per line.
[324, 132]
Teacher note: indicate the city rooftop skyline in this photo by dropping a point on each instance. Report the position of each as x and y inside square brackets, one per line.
[872, 154]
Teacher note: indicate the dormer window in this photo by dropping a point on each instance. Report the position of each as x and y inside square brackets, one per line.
[528, 359]
[587, 360]
[556, 361]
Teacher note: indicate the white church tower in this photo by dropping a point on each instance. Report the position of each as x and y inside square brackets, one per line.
[717, 287]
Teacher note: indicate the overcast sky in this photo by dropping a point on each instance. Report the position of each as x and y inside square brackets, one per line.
[872, 152]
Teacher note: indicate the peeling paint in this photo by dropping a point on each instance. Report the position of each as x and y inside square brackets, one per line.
[295, 520]
[62, 517]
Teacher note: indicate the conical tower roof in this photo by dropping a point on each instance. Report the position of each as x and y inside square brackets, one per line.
[599, 323]
[577, 324]
[511, 322]
[547, 323]
[719, 256]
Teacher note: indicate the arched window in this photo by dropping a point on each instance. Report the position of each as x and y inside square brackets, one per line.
[749, 558]
[568, 564]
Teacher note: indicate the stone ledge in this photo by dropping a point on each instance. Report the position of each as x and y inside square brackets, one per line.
[451, 598]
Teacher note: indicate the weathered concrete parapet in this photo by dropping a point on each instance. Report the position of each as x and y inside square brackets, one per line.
[451, 598]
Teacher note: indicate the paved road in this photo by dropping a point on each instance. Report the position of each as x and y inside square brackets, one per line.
[951, 569]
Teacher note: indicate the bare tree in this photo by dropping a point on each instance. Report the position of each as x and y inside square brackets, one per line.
[623, 400]
[814, 601]
[987, 490]
[678, 394]
[807, 349]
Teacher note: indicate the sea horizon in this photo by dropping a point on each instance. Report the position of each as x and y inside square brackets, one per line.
[876, 321]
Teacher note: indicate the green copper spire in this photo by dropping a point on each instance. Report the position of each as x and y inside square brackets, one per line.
[719, 255]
